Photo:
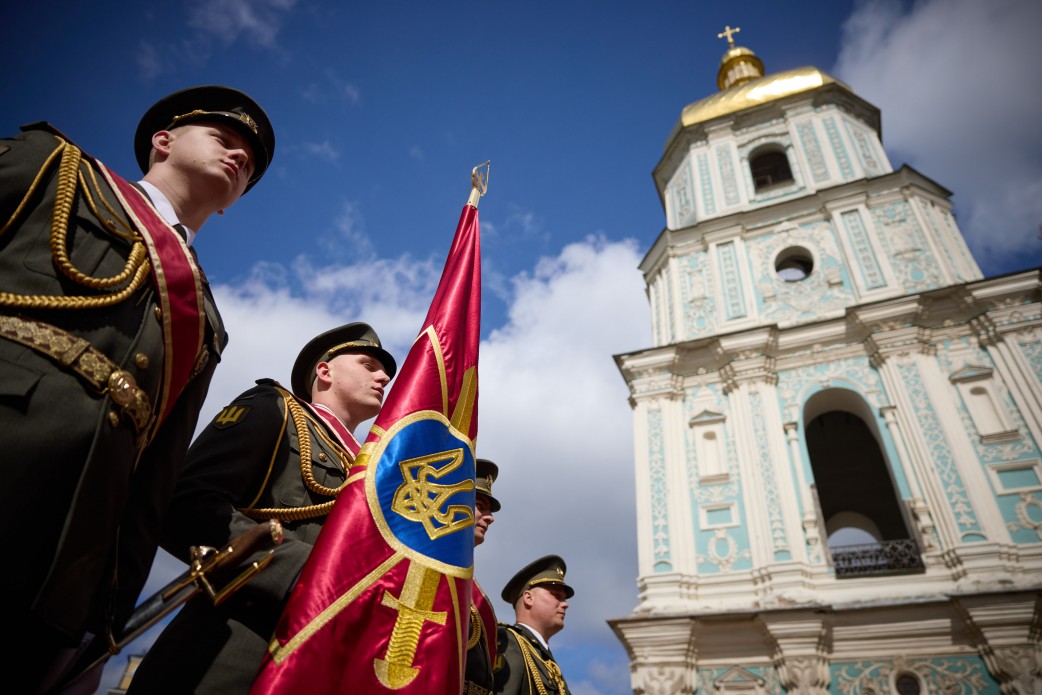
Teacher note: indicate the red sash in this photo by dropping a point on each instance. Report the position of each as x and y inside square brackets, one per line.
[350, 443]
[179, 291]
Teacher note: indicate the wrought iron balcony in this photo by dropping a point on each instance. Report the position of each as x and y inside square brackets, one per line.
[873, 559]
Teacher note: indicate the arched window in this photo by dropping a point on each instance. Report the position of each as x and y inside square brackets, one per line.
[769, 167]
[865, 522]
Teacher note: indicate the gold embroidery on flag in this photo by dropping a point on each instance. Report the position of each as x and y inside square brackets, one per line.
[421, 499]
[281, 652]
[414, 609]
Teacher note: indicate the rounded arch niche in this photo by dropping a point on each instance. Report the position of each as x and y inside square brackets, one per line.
[853, 481]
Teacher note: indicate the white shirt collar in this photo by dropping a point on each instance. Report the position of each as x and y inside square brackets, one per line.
[537, 635]
[164, 208]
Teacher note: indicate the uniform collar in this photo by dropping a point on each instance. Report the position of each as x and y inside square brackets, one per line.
[535, 633]
[165, 209]
[346, 436]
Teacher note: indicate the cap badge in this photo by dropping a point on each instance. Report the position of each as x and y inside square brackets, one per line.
[560, 572]
[250, 123]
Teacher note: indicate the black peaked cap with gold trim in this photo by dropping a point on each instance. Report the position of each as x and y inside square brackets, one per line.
[486, 474]
[351, 337]
[547, 570]
[214, 103]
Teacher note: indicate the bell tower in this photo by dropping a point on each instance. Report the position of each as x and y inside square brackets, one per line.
[838, 420]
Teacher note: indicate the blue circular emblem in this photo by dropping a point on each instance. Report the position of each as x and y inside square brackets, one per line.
[424, 485]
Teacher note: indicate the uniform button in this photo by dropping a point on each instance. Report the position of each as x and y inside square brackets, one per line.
[114, 418]
[141, 360]
[159, 313]
[322, 456]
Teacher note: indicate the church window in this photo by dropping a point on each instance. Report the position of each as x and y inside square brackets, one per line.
[769, 167]
[794, 264]
[867, 530]
[908, 684]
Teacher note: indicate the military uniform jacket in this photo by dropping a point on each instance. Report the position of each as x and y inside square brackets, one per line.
[524, 666]
[244, 468]
[75, 467]
[481, 645]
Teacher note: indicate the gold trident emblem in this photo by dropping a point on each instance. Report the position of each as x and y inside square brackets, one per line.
[230, 415]
[420, 499]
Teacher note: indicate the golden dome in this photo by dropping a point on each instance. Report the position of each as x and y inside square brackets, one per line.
[738, 65]
[754, 92]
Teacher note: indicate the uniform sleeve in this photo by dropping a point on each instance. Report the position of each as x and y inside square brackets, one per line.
[509, 670]
[228, 465]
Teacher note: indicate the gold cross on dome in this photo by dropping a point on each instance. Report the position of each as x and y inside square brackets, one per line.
[729, 33]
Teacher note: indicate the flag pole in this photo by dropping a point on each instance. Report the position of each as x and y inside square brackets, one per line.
[479, 183]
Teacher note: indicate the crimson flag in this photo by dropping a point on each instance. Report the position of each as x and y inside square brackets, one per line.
[382, 604]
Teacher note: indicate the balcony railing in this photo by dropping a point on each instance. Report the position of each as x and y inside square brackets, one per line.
[873, 559]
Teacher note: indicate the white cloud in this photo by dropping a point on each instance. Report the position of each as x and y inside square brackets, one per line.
[956, 81]
[554, 416]
[216, 21]
[334, 87]
[258, 20]
[525, 225]
[352, 230]
[149, 60]
[351, 92]
[347, 239]
[553, 409]
[322, 150]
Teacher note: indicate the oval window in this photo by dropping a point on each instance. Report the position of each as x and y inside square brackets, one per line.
[794, 264]
[908, 684]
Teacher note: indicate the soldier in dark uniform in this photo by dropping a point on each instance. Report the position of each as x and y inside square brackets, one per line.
[481, 644]
[524, 664]
[269, 454]
[108, 340]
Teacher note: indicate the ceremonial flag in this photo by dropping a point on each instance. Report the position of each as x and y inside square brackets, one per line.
[382, 604]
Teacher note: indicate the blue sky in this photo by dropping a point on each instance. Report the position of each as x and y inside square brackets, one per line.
[381, 109]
